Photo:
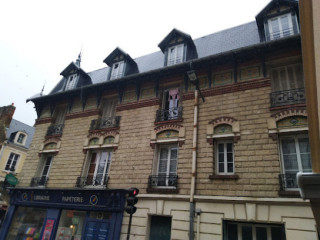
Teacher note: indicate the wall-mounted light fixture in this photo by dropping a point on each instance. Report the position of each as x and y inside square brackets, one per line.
[195, 81]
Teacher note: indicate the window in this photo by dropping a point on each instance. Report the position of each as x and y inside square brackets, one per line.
[250, 231]
[295, 155]
[175, 54]
[287, 77]
[46, 167]
[117, 70]
[12, 162]
[167, 165]
[72, 80]
[281, 26]
[21, 138]
[170, 105]
[224, 157]
[99, 166]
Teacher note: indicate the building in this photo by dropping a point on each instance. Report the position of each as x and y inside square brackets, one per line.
[14, 144]
[219, 163]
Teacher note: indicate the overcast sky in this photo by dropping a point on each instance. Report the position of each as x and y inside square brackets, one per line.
[39, 38]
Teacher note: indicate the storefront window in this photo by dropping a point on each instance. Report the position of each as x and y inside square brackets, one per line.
[70, 225]
[100, 215]
[27, 223]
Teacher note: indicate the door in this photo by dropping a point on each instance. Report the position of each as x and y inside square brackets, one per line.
[160, 228]
[97, 230]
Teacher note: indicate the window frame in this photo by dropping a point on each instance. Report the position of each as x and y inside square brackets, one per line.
[21, 141]
[107, 166]
[45, 158]
[117, 72]
[72, 81]
[16, 158]
[176, 56]
[296, 138]
[282, 32]
[225, 158]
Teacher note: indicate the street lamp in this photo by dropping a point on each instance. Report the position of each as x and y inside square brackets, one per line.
[195, 81]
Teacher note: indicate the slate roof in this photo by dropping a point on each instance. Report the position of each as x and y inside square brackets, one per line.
[219, 42]
[16, 126]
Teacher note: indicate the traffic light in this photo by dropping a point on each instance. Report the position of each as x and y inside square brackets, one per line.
[132, 200]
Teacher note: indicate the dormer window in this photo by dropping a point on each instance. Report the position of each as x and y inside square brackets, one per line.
[175, 54]
[72, 80]
[282, 26]
[117, 70]
[21, 138]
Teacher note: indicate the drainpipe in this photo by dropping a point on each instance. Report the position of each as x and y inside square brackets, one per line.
[194, 162]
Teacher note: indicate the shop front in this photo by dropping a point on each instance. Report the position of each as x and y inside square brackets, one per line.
[61, 214]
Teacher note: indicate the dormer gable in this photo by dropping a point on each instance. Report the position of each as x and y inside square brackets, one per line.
[75, 76]
[279, 19]
[121, 64]
[178, 47]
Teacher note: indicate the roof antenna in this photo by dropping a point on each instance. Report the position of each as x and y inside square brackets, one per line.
[78, 61]
[42, 89]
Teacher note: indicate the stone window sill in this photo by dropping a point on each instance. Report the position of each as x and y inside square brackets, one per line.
[163, 190]
[284, 193]
[224, 177]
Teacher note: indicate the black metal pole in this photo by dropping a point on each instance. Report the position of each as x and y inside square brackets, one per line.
[129, 227]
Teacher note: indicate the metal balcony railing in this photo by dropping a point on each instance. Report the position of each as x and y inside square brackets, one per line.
[288, 97]
[101, 123]
[39, 181]
[55, 130]
[288, 181]
[89, 181]
[281, 34]
[174, 113]
[163, 181]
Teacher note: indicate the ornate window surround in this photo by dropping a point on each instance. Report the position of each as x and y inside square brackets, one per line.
[174, 127]
[234, 123]
[274, 131]
[102, 135]
[55, 140]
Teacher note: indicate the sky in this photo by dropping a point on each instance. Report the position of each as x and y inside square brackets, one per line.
[40, 38]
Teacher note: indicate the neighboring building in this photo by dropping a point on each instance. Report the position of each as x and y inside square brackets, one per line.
[15, 143]
[230, 160]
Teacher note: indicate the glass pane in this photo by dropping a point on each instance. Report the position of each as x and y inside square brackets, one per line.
[283, 79]
[221, 147]
[221, 157]
[229, 147]
[173, 166]
[27, 223]
[230, 157]
[247, 232]
[232, 231]
[261, 233]
[230, 167]
[70, 224]
[304, 145]
[174, 153]
[275, 28]
[290, 163]
[288, 146]
[291, 79]
[163, 166]
[164, 153]
[299, 76]
[276, 233]
[306, 162]
[285, 25]
[221, 168]
[101, 167]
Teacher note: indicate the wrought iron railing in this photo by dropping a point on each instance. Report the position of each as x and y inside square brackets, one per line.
[39, 181]
[288, 181]
[288, 97]
[55, 130]
[174, 113]
[100, 123]
[163, 181]
[87, 181]
[281, 34]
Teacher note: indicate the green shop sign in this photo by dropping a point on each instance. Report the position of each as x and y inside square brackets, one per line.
[11, 179]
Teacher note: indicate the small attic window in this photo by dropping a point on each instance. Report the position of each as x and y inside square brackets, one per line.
[117, 70]
[281, 26]
[72, 81]
[175, 54]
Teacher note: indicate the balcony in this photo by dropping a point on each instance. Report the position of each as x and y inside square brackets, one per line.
[87, 181]
[288, 97]
[170, 181]
[174, 113]
[102, 123]
[288, 181]
[281, 34]
[39, 181]
[54, 130]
